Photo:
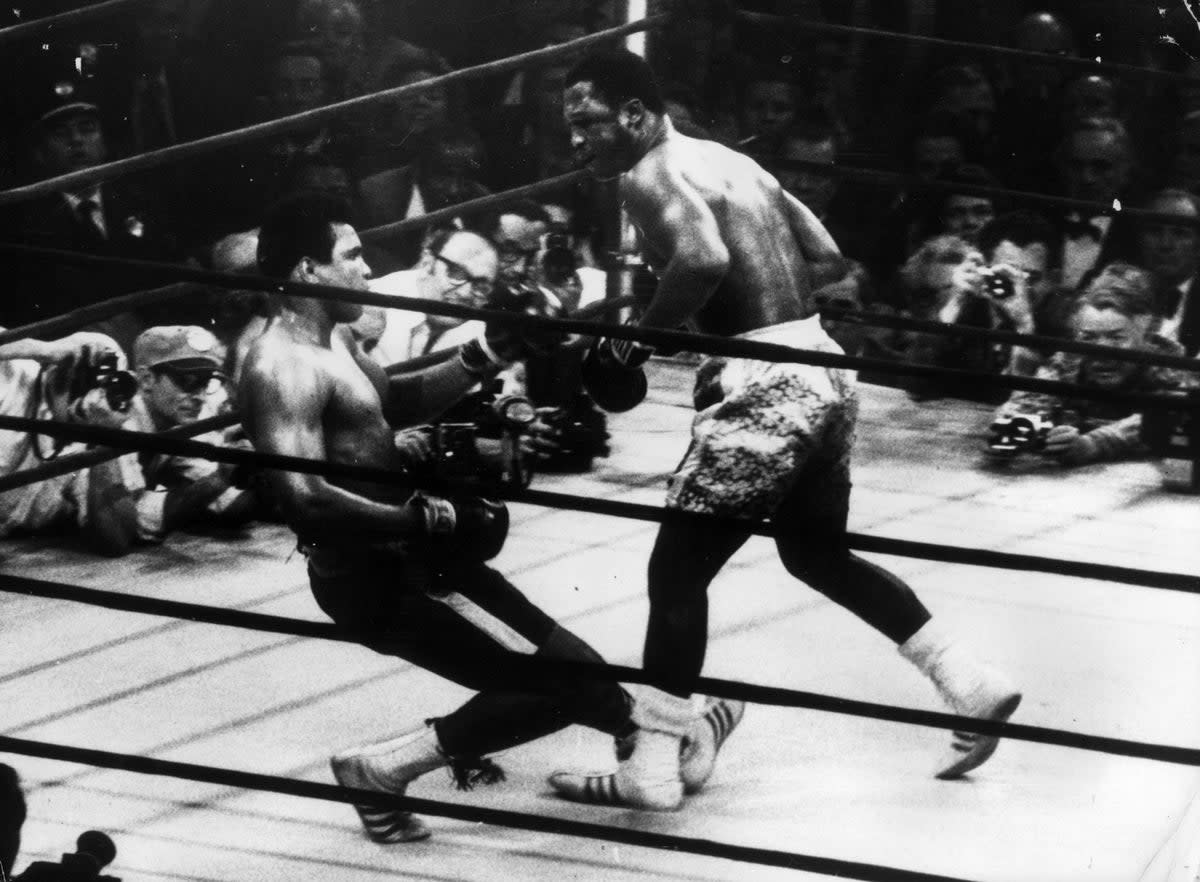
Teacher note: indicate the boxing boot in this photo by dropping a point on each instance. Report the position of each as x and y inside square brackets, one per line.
[649, 778]
[390, 767]
[970, 688]
[699, 748]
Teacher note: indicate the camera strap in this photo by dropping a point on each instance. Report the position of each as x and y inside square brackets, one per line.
[58, 444]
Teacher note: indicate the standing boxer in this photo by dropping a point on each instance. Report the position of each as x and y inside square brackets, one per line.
[737, 255]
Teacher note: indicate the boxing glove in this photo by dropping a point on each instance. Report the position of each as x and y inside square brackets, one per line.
[613, 375]
[469, 528]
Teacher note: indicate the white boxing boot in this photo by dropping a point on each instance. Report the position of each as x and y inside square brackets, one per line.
[649, 778]
[969, 687]
[390, 767]
[698, 751]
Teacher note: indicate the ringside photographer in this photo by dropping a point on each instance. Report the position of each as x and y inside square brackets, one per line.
[180, 371]
[1116, 309]
[79, 379]
[949, 281]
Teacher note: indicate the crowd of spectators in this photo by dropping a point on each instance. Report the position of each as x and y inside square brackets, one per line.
[804, 104]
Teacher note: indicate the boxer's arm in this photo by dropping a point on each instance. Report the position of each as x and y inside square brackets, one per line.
[282, 406]
[421, 396]
[677, 223]
[416, 396]
[826, 263]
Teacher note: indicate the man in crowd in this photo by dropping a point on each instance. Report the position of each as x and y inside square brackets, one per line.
[551, 381]
[402, 570]
[517, 235]
[1022, 241]
[948, 281]
[735, 254]
[767, 108]
[1095, 162]
[111, 219]
[456, 266]
[1171, 252]
[1116, 309]
[180, 373]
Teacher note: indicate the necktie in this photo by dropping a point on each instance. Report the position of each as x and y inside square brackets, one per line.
[89, 215]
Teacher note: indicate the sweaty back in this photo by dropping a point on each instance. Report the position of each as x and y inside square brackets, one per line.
[768, 281]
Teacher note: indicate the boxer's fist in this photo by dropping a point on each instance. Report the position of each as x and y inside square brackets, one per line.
[613, 375]
[469, 528]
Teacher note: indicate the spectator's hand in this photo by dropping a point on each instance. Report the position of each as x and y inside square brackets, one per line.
[93, 410]
[83, 347]
[1018, 308]
[541, 439]
[1069, 445]
[415, 447]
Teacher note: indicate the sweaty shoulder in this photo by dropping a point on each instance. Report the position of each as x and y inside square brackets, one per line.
[276, 366]
[712, 170]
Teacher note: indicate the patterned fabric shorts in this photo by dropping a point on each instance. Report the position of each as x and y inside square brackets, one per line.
[764, 429]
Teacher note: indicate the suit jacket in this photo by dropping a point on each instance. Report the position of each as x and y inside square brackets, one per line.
[45, 288]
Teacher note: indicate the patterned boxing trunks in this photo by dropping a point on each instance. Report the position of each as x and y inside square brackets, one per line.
[763, 429]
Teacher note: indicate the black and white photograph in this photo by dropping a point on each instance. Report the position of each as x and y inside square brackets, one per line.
[618, 440]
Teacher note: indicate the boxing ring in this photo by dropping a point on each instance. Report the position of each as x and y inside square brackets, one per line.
[185, 699]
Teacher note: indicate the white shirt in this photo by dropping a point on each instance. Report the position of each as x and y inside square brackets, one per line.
[406, 334]
[1081, 254]
[1171, 323]
[96, 196]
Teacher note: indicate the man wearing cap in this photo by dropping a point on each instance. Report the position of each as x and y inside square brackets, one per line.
[180, 371]
[66, 134]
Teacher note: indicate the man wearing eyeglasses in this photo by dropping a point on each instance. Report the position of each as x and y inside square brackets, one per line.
[456, 266]
[181, 380]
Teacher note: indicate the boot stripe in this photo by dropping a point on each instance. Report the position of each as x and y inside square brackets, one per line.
[720, 720]
[600, 789]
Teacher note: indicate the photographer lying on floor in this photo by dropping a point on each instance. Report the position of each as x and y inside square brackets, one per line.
[1115, 309]
[78, 379]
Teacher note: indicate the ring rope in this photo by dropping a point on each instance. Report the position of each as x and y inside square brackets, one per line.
[472, 206]
[499, 817]
[768, 20]
[38, 26]
[913, 182]
[140, 441]
[708, 344]
[187, 150]
[68, 322]
[539, 669]
[85, 459]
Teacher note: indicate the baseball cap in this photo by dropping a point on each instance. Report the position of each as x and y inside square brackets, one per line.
[62, 97]
[182, 346]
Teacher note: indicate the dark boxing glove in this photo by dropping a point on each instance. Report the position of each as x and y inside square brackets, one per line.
[470, 528]
[613, 374]
[502, 343]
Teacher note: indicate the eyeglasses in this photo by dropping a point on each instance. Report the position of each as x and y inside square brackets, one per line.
[510, 254]
[458, 276]
[193, 382]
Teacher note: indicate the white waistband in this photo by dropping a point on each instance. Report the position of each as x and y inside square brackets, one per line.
[787, 331]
